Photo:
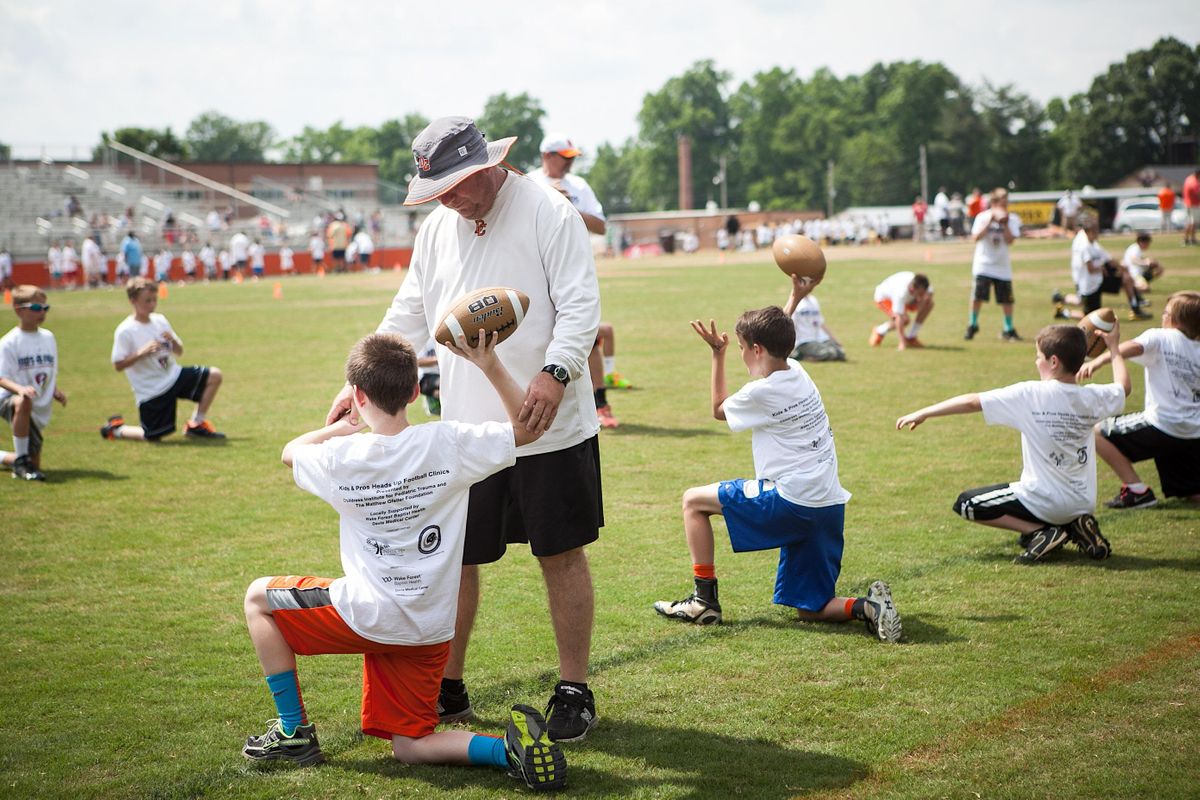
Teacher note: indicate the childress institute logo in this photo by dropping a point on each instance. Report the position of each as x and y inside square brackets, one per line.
[430, 539]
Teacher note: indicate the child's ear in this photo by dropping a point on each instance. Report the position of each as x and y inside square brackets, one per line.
[359, 396]
[416, 392]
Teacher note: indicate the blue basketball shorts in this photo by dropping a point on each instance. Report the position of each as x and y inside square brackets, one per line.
[809, 539]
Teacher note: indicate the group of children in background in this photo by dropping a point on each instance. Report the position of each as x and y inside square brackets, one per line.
[794, 504]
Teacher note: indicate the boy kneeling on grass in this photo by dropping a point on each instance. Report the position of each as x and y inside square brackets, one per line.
[1054, 499]
[401, 491]
[28, 382]
[795, 503]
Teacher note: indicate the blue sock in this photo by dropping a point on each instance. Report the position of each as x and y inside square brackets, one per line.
[487, 750]
[285, 689]
[975, 318]
[1008, 326]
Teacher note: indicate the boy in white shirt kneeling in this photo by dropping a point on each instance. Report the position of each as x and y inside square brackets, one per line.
[1054, 499]
[401, 491]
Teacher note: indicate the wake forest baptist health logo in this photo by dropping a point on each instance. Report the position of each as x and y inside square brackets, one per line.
[429, 540]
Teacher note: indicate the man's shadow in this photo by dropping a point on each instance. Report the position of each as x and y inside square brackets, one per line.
[647, 760]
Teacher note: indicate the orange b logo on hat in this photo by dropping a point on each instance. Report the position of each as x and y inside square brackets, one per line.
[422, 163]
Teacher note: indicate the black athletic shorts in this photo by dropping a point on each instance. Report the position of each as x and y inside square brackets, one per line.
[1177, 460]
[553, 501]
[158, 413]
[430, 383]
[1003, 289]
[992, 502]
[35, 433]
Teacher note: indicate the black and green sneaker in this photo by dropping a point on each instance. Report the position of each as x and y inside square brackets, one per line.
[532, 757]
[300, 748]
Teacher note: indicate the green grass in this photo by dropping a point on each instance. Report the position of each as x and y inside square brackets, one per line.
[128, 672]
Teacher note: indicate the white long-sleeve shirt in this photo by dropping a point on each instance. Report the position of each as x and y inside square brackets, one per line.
[531, 240]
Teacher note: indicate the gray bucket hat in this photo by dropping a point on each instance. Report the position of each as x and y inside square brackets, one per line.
[447, 152]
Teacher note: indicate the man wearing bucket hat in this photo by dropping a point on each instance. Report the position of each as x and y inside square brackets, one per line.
[499, 228]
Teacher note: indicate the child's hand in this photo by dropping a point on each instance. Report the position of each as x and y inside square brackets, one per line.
[1113, 337]
[480, 352]
[150, 348]
[61, 397]
[802, 286]
[910, 421]
[717, 341]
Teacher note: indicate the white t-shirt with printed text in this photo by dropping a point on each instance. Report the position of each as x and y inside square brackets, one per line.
[808, 321]
[791, 438]
[30, 358]
[1058, 449]
[1172, 363]
[992, 258]
[150, 376]
[402, 500]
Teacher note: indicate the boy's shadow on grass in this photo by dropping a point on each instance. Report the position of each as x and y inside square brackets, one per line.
[944, 348]
[654, 760]
[917, 630]
[658, 430]
[1116, 562]
[68, 475]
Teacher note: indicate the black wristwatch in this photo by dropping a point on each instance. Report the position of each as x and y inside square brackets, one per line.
[559, 374]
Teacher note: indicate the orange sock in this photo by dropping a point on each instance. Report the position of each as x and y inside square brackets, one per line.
[706, 571]
[850, 607]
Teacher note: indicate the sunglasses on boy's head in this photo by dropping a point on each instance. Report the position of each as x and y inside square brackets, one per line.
[35, 306]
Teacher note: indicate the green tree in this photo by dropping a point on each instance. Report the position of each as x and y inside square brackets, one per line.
[335, 144]
[394, 144]
[1144, 110]
[519, 116]
[693, 105]
[215, 137]
[611, 175]
[151, 141]
[5, 152]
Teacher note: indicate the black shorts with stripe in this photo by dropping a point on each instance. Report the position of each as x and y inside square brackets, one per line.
[992, 502]
[553, 501]
[1177, 460]
[158, 413]
[1001, 288]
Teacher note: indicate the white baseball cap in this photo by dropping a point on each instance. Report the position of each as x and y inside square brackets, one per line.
[559, 143]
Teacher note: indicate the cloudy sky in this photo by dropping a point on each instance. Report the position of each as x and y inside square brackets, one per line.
[69, 70]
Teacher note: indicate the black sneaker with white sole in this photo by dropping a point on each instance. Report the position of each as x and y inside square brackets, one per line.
[454, 706]
[571, 713]
[23, 470]
[883, 620]
[1043, 541]
[1127, 498]
[300, 748]
[971, 331]
[1084, 533]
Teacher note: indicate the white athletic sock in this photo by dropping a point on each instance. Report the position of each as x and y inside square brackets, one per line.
[610, 365]
[21, 445]
[197, 417]
[5, 454]
[1137, 488]
[882, 328]
[913, 329]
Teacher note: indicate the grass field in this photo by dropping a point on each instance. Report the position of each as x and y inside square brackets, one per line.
[128, 672]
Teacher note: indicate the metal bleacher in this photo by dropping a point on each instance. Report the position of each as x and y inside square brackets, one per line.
[34, 197]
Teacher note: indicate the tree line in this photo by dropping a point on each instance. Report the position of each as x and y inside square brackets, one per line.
[779, 136]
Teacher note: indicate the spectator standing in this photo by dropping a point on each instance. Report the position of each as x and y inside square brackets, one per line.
[6, 269]
[208, 257]
[974, 206]
[131, 253]
[1166, 204]
[70, 264]
[93, 262]
[239, 251]
[316, 248]
[366, 247]
[941, 210]
[499, 228]
[919, 209]
[956, 210]
[1069, 207]
[54, 263]
[1191, 202]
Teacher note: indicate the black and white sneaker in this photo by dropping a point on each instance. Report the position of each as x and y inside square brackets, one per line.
[1085, 534]
[23, 470]
[691, 609]
[883, 620]
[532, 757]
[971, 331]
[1010, 336]
[1042, 542]
[1129, 499]
[570, 714]
[454, 707]
[300, 748]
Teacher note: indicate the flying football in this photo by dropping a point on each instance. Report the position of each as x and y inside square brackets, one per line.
[1095, 325]
[799, 255]
[495, 309]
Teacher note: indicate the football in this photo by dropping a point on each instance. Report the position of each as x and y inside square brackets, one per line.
[799, 255]
[1095, 325]
[495, 309]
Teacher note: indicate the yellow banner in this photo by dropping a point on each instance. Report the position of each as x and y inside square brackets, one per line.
[1033, 214]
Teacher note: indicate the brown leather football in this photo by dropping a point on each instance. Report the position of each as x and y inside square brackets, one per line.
[496, 309]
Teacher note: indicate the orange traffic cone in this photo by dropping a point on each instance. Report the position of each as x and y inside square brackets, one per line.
[929, 255]
[277, 290]
[7, 297]
[237, 277]
[320, 272]
[162, 291]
